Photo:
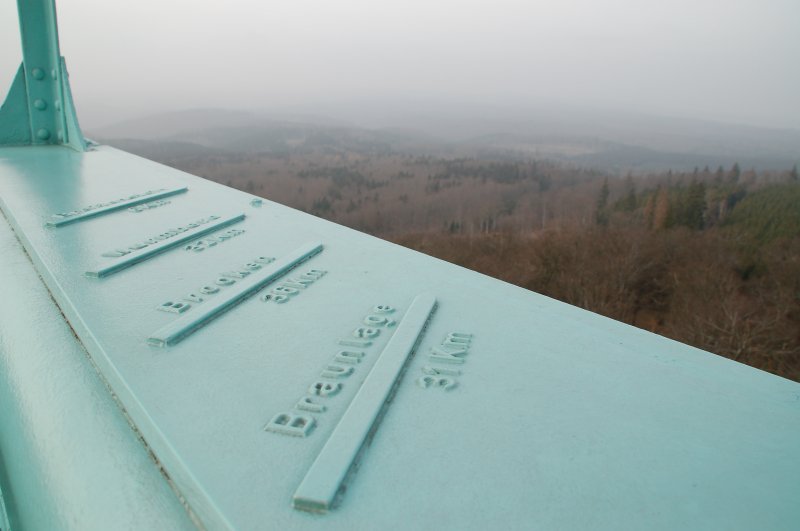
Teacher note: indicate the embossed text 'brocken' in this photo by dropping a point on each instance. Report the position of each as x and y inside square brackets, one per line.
[238, 292]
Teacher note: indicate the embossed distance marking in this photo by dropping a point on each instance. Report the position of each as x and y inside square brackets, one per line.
[324, 480]
[211, 241]
[171, 233]
[150, 247]
[290, 287]
[342, 366]
[241, 289]
[452, 351]
[224, 280]
[148, 206]
[65, 218]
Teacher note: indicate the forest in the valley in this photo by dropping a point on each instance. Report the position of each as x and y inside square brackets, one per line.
[709, 257]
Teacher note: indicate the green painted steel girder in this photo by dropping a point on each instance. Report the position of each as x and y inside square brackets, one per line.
[174, 352]
[39, 109]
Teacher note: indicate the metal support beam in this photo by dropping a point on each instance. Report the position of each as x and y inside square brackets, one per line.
[39, 109]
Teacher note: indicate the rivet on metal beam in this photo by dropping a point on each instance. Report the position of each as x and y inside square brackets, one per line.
[42, 134]
[37, 73]
[40, 104]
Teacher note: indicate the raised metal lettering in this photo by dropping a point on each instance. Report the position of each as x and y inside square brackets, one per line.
[187, 324]
[324, 479]
[291, 424]
[59, 220]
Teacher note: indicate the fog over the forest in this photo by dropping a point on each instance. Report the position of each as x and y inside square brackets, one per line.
[724, 60]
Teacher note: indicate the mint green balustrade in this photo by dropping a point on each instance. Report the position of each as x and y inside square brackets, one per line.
[226, 362]
[39, 109]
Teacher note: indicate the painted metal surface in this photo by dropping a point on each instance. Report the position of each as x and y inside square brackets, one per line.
[289, 373]
[39, 109]
[324, 480]
[513, 410]
[98, 209]
[68, 457]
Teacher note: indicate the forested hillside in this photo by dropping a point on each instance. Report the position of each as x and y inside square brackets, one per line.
[709, 257]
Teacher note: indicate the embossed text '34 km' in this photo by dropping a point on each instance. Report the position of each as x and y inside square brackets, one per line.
[180, 328]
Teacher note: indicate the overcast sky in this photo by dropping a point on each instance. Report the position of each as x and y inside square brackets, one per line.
[728, 60]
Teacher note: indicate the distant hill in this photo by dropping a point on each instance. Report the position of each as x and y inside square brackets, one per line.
[611, 142]
[180, 123]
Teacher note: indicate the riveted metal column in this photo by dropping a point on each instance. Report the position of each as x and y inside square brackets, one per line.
[38, 109]
[42, 63]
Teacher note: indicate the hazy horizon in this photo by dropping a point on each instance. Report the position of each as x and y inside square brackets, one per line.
[731, 61]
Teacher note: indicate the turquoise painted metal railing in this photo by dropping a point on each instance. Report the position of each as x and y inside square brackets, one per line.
[225, 362]
[38, 108]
